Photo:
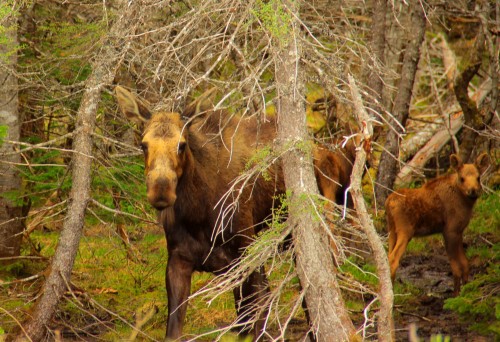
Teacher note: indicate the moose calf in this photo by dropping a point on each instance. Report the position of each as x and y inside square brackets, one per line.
[443, 205]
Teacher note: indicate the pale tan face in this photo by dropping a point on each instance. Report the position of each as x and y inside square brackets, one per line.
[164, 146]
[468, 180]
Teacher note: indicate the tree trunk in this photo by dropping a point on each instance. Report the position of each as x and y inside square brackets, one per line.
[11, 223]
[377, 45]
[472, 115]
[385, 324]
[103, 70]
[328, 315]
[388, 166]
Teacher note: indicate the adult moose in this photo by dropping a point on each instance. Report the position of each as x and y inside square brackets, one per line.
[443, 205]
[189, 166]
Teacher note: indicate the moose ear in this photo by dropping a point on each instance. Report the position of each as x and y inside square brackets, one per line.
[456, 161]
[202, 104]
[132, 107]
[482, 162]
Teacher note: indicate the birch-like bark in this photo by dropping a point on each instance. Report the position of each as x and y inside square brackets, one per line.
[327, 312]
[103, 70]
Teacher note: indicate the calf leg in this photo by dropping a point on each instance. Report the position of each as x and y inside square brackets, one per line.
[458, 260]
[249, 298]
[178, 281]
[400, 242]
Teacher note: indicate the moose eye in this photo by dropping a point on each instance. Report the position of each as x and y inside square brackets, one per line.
[181, 147]
[462, 179]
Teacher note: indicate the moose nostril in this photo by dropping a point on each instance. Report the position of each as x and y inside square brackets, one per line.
[161, 192]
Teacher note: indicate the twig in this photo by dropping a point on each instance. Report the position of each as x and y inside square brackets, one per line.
[18, 323]
[24, 280]
[414, 315]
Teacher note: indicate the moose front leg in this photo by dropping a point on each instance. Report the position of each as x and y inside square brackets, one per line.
[178, 281]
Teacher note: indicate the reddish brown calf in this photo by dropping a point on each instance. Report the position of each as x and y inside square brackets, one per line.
[443, 205]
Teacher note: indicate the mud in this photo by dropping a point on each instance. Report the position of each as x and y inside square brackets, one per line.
[431, 274]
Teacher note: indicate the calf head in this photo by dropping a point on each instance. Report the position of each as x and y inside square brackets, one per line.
[164, 143]
[468, 175]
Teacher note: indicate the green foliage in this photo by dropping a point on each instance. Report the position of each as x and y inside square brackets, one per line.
[274, 19]
[42, 180]
[260, 160]
[67, 42]
[7, 12]
[364, 274]
[440, 338]
[4, 130]
[14, 268]
[235, 338]
[479, 301]
[123, 182]
[486, 219]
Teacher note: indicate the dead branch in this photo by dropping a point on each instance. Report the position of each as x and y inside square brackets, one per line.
[386, 297]
[439, 139]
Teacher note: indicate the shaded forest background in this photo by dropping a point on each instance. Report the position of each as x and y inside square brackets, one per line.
[170, 52]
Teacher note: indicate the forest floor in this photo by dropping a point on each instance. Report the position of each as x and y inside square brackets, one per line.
[431, 275]
[427, 274]
[110, 288]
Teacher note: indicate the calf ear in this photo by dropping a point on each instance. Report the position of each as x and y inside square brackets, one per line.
[131, 106]
[456, 161]
[482, 162]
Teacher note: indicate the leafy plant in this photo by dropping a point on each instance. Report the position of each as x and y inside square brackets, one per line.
[3, 133]
[274, 19]
[479, 301]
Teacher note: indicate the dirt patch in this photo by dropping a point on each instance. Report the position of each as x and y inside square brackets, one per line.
[431, 275]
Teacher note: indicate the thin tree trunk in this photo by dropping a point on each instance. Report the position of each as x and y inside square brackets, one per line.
[11, 224]
[472, 114]
[377, 45]
[103, 70]
[388, 166]
[385, 324]
[329, 318]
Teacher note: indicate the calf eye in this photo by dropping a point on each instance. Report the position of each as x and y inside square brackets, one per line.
[181, 147]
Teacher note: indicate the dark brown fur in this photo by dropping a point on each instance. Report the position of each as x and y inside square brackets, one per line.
[333, 170]
[189, 168]
[443, 205]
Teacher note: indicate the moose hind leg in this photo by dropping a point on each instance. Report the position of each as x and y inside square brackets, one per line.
[249, 300]
[401, 242]
[458, 261]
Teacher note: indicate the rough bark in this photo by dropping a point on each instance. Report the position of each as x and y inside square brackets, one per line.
[385, 324]
[11, 224]
[329, 318]
[388, 166]
[377, 46]
[103, 70]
